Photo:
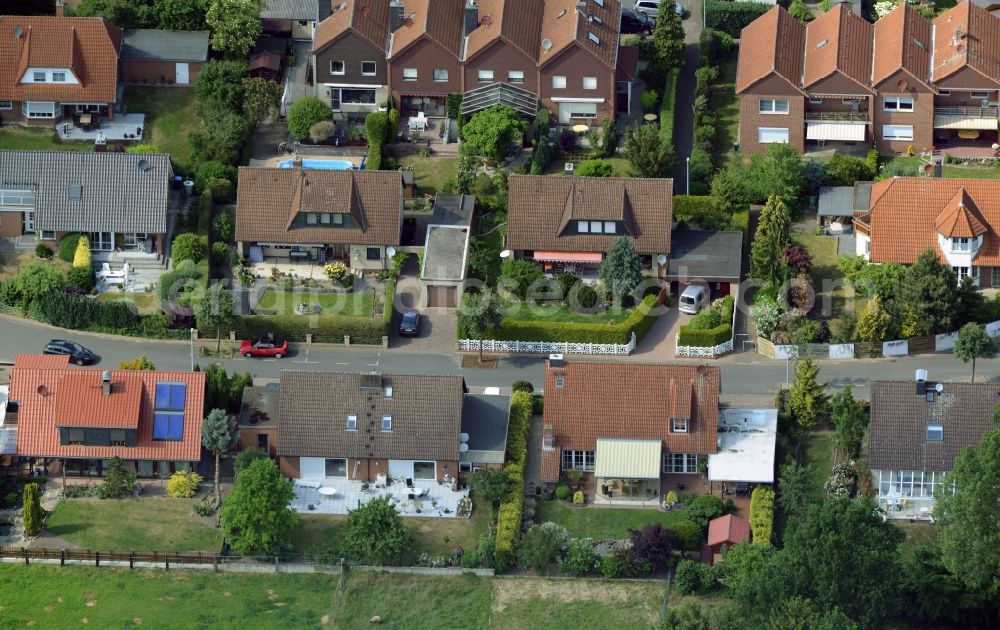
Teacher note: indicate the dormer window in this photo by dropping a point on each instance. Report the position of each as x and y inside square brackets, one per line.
[38, 77]
[583, 227]
[58, 77]
[678, 425]
[935, 433]
[352, 422]
[387, 423]
[960, 244]
[593, 38]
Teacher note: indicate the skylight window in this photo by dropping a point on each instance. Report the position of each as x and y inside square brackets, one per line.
[593, 38]
[352, 422]
[935, 433]
[387, 423]
[822, 42]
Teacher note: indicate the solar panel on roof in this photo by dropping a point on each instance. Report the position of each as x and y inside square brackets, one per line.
[170, 396]
[168, 426]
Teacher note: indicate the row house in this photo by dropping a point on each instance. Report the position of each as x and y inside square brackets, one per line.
[903, 84]
[557, 54]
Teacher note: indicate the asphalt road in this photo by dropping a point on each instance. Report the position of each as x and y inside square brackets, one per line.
[757, 377]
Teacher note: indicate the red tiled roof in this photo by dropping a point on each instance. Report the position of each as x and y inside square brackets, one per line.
[368, 18]
[87, 47]
[905, 211]
[628, 63]
[42, 361]
[47, 398]
[774, 44]
[728, 529]
[960, 218]
[629, 400]
[902, 41]
[517, 22]
[440, 21]
[838, 41]
[966, 35]
[82, 402]
[564, 25]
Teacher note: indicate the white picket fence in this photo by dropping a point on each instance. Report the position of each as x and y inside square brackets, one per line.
[702, 351]
[546, 347]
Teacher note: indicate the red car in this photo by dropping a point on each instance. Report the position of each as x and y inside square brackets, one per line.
[276, 348]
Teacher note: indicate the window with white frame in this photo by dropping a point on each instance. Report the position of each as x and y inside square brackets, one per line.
[680, 463]
[409, 74]
[912, 484]
[440, 74]
[980, 95]
[995, 277]
[48, 235]
[578, 460]
[897, 132]
[58, 77]
[39, 109]
[336, 67]
[583, 227]
[609, 227]
[773, 106]
[6, 105]
[590, 83]
[815, 101]
[593, 38]
[17, 198]
[944, 93]
[368, 68]
[312, 218]
[581, 110]
[352, 422]
[38, 77]
[897, 103]
[335, 468]
[558, 82]
[596, 227]
[485, 76]
[935, 433]
[678, 425]
[515, 76]
[961, 272]
[961, 244]
[772, 135]
[387, 423]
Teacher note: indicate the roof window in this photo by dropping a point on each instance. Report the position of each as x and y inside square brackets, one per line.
[935, 433]
[822, 42]
[593, 38]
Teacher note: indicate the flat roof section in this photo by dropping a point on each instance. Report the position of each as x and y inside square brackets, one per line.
[746, 446]
[705, 254]
[485, 418]
[260, 407]
[444, 253]
[453, 210]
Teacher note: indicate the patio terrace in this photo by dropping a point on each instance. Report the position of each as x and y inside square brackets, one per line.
[121, 127]
[438, 500]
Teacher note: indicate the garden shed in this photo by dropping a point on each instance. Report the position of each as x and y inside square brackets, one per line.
[163, 57]
[724, 532]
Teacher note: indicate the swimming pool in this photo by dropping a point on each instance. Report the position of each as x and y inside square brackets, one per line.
[328, 165]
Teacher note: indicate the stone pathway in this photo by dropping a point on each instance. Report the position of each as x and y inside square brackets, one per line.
[533, 469]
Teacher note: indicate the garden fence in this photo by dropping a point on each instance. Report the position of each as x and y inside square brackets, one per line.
[546, 347]
[707, 351]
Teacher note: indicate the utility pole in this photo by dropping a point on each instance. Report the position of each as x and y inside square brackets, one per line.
[194, 331]
[687, 181]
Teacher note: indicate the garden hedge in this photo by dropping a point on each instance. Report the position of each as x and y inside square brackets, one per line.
[77, 312]
[509, 515]
[731, 17]
[376, 124]
[67, 246]
[639, 322]
[390, 304]
[762, 514]
[714, 336]
[330, 328]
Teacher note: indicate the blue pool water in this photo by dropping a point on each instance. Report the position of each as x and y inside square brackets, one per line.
[328, 165]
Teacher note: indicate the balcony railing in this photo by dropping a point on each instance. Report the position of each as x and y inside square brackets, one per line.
[967, 112]
[838, 116]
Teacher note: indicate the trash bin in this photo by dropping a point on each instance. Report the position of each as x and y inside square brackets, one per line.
[177, 182]
[188, 187]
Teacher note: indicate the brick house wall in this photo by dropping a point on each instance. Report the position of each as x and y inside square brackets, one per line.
[921, 118]
[575, 63]
[352, 49]
[135, 70]
[751, 120]
[11, 223]
[425, 55]
[248, 439]
[501, 58]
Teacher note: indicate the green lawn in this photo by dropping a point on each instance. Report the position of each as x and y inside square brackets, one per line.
[966, 171]
[534, 604]
[816, 452]
[430, 174]
[601, 523]
[562, 313]
[145, 524]
[727, 110]
[54, 597]
[38, 139]
[834, 295]
[557, 167]
[433, 535]
[489, 239]
[413, 601]
[357, 303]
[916, 532]
[170, 118]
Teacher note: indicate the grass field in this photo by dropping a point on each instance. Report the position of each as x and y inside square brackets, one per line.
[413, 601]
[12, 262]
[915, 533]
[601, 523]
[54, 597]
[817, 453]
[430, 174]
[727, 110]
[966, 171]
[557, 167]
[38, 139]
[834, 295]
[357, 303]
[563, 313]
[148, 524]
[170, 118]
[533, 604]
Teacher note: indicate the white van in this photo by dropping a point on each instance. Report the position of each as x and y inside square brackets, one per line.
[693, 298]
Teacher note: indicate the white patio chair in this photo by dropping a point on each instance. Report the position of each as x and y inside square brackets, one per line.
[105, 270]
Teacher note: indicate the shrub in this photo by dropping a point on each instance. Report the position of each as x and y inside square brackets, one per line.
[586, 296]
[187, 247]
[183, 485]
[43, 252]
[688, 533]
[713, 46]
[177, 281]
[321, 131]
[82, 257]
[224, 227]
[578, 497]
[694, 578]
[118, 483]
[305, 113]
[650, 100]
[523, 386]
[704, 508]
[621, 562]
[81, 277]
[695, 333]
[707, 319]
[562, 492]
[212, 170]
[517, 276]
[596, 168]
[730, 17]
[67, 246]
[509, 515]
[762, 514]
[580, 557]
[703, 210]
[221, 253]
[653, 544]
[66, 310]
[376, 124]
[32, 511]
[543, 545]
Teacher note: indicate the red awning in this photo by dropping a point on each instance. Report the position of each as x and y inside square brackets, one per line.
[569, 257]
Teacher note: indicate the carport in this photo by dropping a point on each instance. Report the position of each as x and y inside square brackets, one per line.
[446, 248]
[707, 257]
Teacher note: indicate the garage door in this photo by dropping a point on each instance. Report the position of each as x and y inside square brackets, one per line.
[442, 296]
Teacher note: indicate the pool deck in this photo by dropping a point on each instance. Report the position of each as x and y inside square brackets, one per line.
[273, 162]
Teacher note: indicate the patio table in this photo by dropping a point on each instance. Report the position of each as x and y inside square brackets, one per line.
[327, 492]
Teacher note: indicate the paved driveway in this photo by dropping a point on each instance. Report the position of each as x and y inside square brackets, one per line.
[437, 325]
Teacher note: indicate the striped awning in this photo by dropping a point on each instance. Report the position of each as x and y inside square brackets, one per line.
[627, 459]
[569, 257]
[854, 132]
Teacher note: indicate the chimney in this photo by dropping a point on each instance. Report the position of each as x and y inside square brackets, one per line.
[395, 15]
[59, 8]
[471, 17]
[556, 361]
[106, 383]
[921, 379]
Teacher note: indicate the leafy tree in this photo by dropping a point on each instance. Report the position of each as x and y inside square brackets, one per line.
[806, 398]
[375, 532]
[729, 192]
[967, 516]
[246, 457]
[522, 385]
[969, 304]
[693, 578]
[221, 81]
[844, 170]
[742, 563]
[82, 259]
[479, 316]
[793, 489]
[543, 545]
[779, 171]
[596, 168]
[973, 343]
[225, 391]
[934, 597]
[704, 508]
[215, 310]
[260, 96]
[224, 227]
[491, 484]
[621, 271]
[118, 482]
[305, 113]
[31, 510]
[850, 420]
[800, 12]
[798, 258]
[181, 15]
[688, 534]
[518, 276]
[235, 25]
[668, 37]
[141, 362]
[800, 613]
[874, 323]
[929, 291]
[580, 557]
[35, 280]
[770, 240]
[121, 13]
[218, 435]
[187, 247]
[691, 615]
[221, 132]
[256, 516]
[646, 154]
[490, 133]
[654, 544]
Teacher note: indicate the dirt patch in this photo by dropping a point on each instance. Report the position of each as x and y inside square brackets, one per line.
[506, 591]
[472, 361]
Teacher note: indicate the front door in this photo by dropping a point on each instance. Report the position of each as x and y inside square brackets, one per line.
[181, 70]
[102, 241]
[29, 222]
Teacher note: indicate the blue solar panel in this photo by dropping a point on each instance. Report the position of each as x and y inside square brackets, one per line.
[170, 396]
[168, 426]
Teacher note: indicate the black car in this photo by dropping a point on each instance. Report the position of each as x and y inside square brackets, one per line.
[409, 325]
[77, 353]
[635, 22]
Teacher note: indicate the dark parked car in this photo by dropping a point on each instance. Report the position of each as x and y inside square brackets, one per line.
[266, 347]
[634, 22]
[76, 353]
[409, 325]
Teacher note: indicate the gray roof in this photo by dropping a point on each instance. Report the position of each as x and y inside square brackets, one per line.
[426, 413]
[290, 9]
[116, 196]
[485, 419]
[843, 201]
[160, 45]
[705, 254]
[260, 407]
[445, 253]
[453, 209]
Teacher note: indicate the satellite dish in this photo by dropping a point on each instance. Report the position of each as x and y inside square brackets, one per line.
[902, 85]
[939, 387]
[661, 259]
[390, 251]
[546, 45]
[42, 390]
[144, 165]
[463, 448]
[463, 437]
[506, 253]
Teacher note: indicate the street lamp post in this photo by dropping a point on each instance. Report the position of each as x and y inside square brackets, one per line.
[194, 332]
[687, 181]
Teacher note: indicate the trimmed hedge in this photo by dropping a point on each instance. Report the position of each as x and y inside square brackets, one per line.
[509, 516]
[639, 322]
[731, 17]
[702, 210]
[667, 108]
[688, 534]
[387, 310]
[376, 124]
[330, 328]
[67, 246]
[762, 514]
[690, 336]
[75, 311]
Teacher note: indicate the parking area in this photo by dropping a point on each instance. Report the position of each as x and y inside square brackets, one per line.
[437, 325]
